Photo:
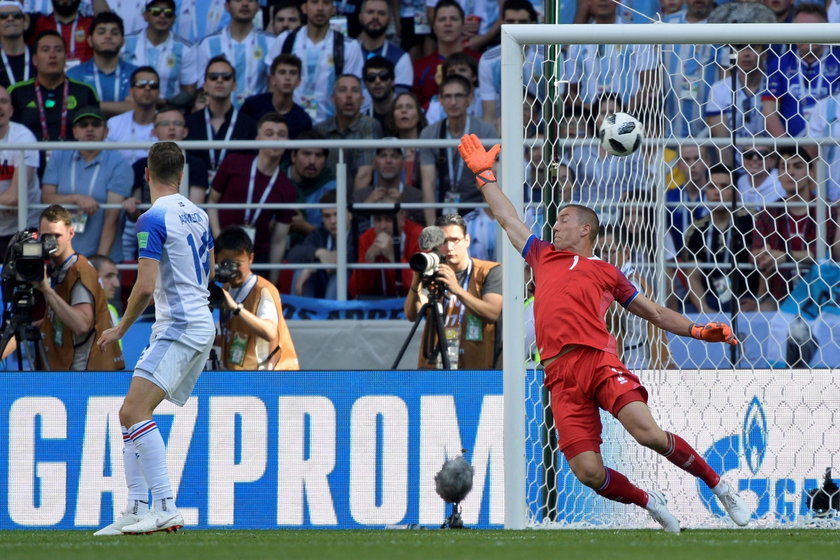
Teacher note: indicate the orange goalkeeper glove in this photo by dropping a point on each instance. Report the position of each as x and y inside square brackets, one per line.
[713, 332]
[479, 160]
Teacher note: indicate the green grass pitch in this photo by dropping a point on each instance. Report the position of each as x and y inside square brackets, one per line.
[744, 544]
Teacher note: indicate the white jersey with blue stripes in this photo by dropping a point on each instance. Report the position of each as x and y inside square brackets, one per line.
[176, 233]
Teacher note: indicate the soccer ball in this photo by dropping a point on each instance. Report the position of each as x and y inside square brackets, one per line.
[621, 134]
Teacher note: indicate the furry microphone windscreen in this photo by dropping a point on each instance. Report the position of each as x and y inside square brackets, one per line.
[455, 480]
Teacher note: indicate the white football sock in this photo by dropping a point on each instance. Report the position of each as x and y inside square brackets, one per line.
[152, 454]
[138, 488]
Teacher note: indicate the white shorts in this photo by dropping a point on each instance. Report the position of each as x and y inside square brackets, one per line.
[172, 366]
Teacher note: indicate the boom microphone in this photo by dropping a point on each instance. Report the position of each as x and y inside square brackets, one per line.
[431, 237]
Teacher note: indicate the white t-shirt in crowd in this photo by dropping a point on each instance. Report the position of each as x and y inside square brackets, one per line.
[11, 160]
[122, 128]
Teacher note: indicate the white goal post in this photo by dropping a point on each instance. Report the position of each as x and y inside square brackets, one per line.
[519, 509]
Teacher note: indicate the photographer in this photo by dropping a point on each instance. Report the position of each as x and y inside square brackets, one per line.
[77, 308]
[472, 301]
[254, 332]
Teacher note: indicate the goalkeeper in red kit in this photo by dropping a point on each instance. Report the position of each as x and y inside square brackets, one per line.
[574, 289]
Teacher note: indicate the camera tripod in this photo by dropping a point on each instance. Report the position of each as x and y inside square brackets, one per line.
[432, 311]
[29, 343]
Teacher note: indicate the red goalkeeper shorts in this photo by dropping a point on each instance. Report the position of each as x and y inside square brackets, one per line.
[580, 382]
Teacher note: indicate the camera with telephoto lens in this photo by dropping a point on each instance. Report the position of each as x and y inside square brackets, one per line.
[426, 264]
[226, 271]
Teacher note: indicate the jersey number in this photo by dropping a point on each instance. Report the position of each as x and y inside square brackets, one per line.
[201, 256]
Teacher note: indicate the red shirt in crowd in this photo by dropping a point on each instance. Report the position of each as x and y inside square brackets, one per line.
[75, 35]
[384, 282]
[425, 71]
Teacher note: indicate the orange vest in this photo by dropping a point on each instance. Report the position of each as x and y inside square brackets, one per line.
[58, 339]
[283, 359]
[473, 354]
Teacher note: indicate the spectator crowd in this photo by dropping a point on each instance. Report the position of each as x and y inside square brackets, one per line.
[136, 70]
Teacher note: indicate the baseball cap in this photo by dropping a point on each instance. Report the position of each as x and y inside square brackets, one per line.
[153, 2]
[88, 111]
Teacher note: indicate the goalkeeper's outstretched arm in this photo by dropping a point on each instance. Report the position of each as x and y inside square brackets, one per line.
[672, 321]
[480, 162]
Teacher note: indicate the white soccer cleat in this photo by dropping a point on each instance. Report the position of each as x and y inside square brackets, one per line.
[735, 506]
[156, 521]
[115, 528]
[657, 507]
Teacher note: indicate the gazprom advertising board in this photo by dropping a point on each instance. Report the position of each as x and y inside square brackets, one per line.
[310, 449]
[357, 449]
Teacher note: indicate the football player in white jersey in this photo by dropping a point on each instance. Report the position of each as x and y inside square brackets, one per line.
[176, 261]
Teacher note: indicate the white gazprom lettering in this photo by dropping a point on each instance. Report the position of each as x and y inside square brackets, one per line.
[102, 424]
[368, 472]
[487, 458]
[50, 503]
[440, 439]
[178, 445]
[303, 469]
[224, 471]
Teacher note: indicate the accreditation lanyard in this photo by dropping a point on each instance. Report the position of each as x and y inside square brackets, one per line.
[98, 86]
[42, 114]
[61, 272]
[245, 289]
[58, 28]
[453, 301]
[92, 184]
[459, 168]
[8, 67]
[726, 239]
[214, 163]
[264, 196]
[816, 76]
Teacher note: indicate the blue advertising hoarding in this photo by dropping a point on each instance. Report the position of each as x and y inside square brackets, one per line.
[257, 450]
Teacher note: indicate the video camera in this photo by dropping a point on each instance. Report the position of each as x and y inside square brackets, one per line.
[23, 265]
[226, 271]
[25, 256]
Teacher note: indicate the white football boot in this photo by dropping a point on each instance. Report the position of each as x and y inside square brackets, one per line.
[734, 504]
[657, 507]
[156, 521]
[126, 518]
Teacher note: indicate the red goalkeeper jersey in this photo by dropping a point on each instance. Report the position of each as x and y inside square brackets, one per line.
[572, 296]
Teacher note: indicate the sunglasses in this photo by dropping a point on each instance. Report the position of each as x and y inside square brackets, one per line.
[153, 84]
[384, 76]
[165, 12]
[213, 76]
[752, 154]
[13, 15]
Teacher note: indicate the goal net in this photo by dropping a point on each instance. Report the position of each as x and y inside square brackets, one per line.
[724, 214]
